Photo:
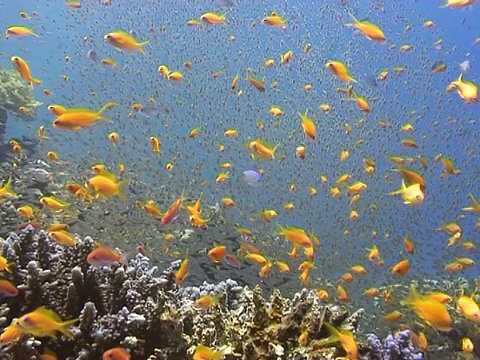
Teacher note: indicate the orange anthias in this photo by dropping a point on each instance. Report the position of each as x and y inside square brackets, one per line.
[172, 213]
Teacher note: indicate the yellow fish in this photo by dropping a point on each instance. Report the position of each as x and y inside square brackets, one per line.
[371, 31]
[340, 70]
[54, 203]
[467, 90]
[105, 184]
[433, 312]
[44, 322]
[6, 190]
[274, 20]
[344, 337]
[412, 194]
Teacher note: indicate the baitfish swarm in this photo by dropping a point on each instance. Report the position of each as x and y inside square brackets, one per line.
[148, 315]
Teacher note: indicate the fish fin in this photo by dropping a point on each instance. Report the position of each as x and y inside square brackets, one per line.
[8, 187]
[124, 259]
[64, 328]
[50, 313]
[334, 334]
[120, 193]
[273, 151]
[355, 21]
[141, 45]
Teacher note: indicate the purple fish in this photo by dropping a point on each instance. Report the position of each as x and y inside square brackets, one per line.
[252, 177]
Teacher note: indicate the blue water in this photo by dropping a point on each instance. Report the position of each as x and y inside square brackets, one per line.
[201, 100]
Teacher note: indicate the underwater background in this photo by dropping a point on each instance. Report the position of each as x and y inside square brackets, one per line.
[413, 124]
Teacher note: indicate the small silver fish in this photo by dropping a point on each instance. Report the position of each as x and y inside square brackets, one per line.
[465, 66]
[149, 111]
[92, 55]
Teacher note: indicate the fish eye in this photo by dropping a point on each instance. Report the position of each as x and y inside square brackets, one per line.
[418, 197]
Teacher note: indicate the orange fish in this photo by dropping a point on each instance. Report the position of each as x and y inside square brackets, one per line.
[203, 352]
[274, 20]
[262, 148]
[401, 268]
[54, 203]
[105, 256]
[217, 254]
[370, 30]
[344, 337]
[11, 333]
[213, 18]
[340, 70]
[19, 30]
[7, 289]
[75, 119]
[308, 125]
[125, 41]
[433, 312]
[117, 353]
[63, 237]
[105, 184]
[469, 308]
[296, 235]
[156, 144]
[172, 213]
[24, 70]
[182, 271]
[206, 301]
[257, 83]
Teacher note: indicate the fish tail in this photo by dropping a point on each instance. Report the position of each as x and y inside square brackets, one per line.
[273, 151]
[121, 194]
[64, 328]
[396, 192]
[103, 108]
[141, 45]
[124, 259]
[412, 296]
[355, 20]
[8, 187]
[334, 334]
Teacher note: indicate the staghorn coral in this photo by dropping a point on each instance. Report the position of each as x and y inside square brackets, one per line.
[14, 93]
[150, 315]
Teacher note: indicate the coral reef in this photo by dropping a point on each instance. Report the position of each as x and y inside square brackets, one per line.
[393, 347]
[15, 93]
[148, 314]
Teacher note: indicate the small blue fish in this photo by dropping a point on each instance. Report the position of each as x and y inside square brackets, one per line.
[252, 177]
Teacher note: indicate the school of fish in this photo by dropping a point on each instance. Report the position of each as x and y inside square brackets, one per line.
[332, 145]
